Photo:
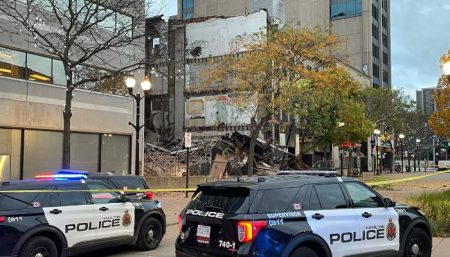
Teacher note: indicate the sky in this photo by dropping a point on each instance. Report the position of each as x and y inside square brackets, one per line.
[420, 34]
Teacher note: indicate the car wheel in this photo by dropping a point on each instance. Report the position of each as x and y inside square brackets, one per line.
[418, 244]
[304, 252]
[150, 234]
[39, 246]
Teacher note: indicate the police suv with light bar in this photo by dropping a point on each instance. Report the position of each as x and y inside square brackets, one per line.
[66, 214]
[299, 216]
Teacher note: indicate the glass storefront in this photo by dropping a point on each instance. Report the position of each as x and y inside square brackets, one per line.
[115, 153]
[42, 152]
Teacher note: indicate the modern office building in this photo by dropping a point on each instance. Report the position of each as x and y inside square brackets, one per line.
[425, 101]
[32, 100]
[363, 25]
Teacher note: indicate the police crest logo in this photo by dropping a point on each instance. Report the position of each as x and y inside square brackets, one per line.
[391, 230]
[126, 219]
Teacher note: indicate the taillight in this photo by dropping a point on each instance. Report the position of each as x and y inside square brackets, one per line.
[149, 195]
[247, 230]
[180, 221]
[2, 219]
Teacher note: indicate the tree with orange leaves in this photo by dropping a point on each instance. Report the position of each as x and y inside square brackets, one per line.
[277, 72]
[440, 120]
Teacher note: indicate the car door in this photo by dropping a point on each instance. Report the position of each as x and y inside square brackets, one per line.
[73, 215]
[379, 225]
[330, 217]
[116, 219]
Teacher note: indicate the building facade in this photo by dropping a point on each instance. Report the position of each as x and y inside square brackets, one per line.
[32, 100]
[363, 25]
[425, 101]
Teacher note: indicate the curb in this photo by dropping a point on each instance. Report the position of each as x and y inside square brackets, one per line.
[394, 181]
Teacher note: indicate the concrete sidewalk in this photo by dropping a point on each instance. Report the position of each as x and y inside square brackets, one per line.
[441, 247]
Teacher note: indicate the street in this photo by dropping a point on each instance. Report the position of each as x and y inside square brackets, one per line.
[174, 202]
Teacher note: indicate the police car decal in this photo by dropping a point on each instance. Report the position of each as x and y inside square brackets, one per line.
[349, 235]
[89, 222]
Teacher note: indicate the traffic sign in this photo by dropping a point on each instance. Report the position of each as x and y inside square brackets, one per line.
[187, 140]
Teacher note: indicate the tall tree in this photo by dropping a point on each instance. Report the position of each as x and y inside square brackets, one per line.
[327, 109]
[264, 75]
[440, 119]
[81, 34]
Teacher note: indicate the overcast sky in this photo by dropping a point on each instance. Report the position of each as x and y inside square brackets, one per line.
[420, 31]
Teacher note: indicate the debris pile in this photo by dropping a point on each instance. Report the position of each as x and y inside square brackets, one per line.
[213, 156]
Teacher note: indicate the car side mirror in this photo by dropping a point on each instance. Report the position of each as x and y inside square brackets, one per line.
[124, 198]
[388, 202]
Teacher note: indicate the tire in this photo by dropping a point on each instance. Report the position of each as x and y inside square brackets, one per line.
[304, 252]
[39, 246]
[150, 234]
[417, 244]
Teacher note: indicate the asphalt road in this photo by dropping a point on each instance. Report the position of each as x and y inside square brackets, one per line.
[166, 248]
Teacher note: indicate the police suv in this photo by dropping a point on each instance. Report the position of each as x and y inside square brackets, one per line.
[299, 216]
[68, 215]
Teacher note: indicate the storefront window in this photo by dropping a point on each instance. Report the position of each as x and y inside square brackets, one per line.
[42, 152]
[84, 152]
[115, 153]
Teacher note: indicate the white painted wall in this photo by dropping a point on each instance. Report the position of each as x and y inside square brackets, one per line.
[216, 35]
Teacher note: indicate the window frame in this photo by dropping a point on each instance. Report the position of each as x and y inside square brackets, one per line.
[91, 198]
[341, 187]
[368, 188]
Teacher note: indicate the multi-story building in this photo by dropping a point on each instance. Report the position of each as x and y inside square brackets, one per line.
[363, 25]
[32, 100]
[425, 101]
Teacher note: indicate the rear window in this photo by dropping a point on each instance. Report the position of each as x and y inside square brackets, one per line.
[18, 201]
[225, 200]
[130, 182]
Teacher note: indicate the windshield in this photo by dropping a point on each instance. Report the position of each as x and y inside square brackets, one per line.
[130, 182]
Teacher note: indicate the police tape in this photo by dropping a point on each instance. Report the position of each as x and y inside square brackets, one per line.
[168, 190]
[402, 180]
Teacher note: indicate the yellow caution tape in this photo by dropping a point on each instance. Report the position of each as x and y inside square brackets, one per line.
[377, 183]
[401, 180]
[102, 190]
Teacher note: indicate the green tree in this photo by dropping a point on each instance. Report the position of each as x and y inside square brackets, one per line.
[275, 71]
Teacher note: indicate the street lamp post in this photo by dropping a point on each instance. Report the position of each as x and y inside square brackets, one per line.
[401, 137]
[146, 86]
[376, 132]
[418, 157]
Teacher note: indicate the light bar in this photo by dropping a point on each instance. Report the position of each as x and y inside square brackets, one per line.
[71, 172]
[61, 177]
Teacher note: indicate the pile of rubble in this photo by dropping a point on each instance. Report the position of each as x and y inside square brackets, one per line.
[216, 157]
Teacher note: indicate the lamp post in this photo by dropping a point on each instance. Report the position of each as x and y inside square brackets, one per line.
[146, 85]
[377, 133]
[418, 157]
[401, 137]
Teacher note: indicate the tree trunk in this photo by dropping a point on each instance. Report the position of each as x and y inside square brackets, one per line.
[254, 136]
[349, 162]
[66, 135]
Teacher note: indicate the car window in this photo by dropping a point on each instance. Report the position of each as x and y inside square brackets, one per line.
[362, 197]
[102, 197]
[277, 200]
[330, 196]
[17, 201]
[71, 197]
[314, 203]
[129, 182]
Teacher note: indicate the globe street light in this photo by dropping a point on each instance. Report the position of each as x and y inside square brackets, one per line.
[417, 149]
[401, 137]
[376, 132]
[146, 85]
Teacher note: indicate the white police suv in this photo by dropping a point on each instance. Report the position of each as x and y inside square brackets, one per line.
[64, 215]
